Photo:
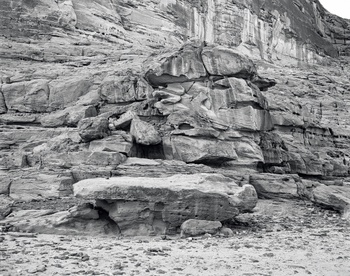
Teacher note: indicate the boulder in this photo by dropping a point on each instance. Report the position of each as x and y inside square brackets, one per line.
[144, 133]
[28, 96]
[238, 93]
[96, 158]
[5, 206]
[70, 116]
[93, 128]
[64, 92]
[226, 232]
[199, 150]
[225, 61]
[144, 205]
[71, 222]
[113, 143]
[124, 120]
[166, 97]
[278, 186]
[181, 66]
[37, 186]
[18, 118]
[196, 227]
[5, 183]
[335, 197]
[123, 89]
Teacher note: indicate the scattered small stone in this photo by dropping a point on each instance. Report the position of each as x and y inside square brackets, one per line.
[227, 232]
[40, 268]
[118, 265]
[269, 255]
[206, 236]
[85, 258]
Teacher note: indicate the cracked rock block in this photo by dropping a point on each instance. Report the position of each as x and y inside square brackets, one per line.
[146, 205]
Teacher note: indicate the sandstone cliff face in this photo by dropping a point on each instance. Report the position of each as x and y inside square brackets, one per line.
[85, 85]
[300, 30]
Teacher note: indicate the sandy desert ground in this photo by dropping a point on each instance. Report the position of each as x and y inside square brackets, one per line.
[279, 238]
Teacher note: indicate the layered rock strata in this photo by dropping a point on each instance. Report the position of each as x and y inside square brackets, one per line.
[87, 87]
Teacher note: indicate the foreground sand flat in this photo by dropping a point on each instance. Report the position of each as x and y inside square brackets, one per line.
[280, 238]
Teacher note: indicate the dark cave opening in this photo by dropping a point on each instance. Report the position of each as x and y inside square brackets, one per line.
[149, 152]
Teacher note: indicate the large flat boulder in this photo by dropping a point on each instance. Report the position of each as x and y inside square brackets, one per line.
[277, 185]
[335, 197]
[145, 205]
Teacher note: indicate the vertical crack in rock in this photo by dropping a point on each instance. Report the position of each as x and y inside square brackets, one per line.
[3, 105]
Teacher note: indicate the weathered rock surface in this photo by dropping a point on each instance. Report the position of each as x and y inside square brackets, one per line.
[36, 186]
[5, 206]
[93, 128]
[199, 150]
[278, 186]
[113, 143]
[70, 116]
[144, 133]
[246, 87]
[227, 62]
[161, 205]
[285, 222]
[196, 227]
[335, 197]
[76, 221]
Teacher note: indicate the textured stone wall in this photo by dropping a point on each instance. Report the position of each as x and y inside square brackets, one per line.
[272, 30]
[87, 84]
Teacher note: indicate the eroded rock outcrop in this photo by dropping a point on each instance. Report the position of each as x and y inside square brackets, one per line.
[334, 197]
[141, 206]
[249, 89]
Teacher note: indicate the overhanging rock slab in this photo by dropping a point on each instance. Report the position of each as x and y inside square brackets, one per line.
[143, 205]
